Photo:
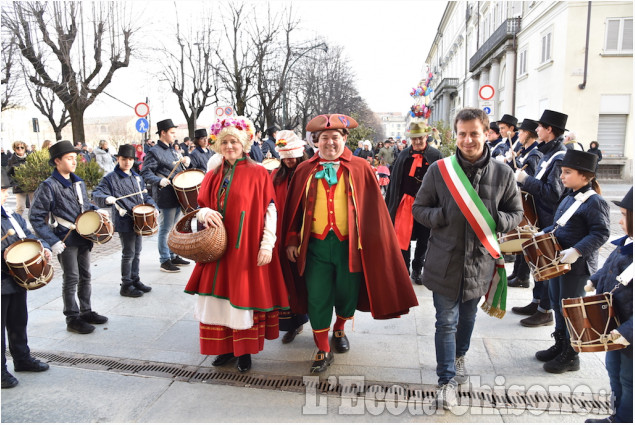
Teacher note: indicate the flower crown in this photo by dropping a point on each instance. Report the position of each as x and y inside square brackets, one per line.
[240, 123]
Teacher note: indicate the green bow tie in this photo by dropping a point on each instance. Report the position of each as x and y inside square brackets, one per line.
[327, 173]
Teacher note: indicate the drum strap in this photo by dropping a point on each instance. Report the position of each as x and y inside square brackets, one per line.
[16, 226]
[546, 164]
[61, 221]
[626, 276]
[138, 180]
[580, 199]
[80, 197]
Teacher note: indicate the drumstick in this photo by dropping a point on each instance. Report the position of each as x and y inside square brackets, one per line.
[10, 232]
[132, 194]
[72, 227]
[173, 169]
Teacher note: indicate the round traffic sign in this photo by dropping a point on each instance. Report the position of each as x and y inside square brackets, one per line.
[141, 109]
[486, 92]
[220, 111]
[229, 110]
[487, 110]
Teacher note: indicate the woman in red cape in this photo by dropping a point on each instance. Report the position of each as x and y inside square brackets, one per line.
[240, 294]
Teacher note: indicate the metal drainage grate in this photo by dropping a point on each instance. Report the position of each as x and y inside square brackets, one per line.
[344, 387]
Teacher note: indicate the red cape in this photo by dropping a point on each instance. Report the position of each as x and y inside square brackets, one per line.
[236, 276]
[387, 291]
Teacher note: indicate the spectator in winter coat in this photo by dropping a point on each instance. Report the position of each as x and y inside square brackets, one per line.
[595, 149]
[104, 158]
[18, 159]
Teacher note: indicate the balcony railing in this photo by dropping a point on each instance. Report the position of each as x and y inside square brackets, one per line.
[507, 30]
[447, 84]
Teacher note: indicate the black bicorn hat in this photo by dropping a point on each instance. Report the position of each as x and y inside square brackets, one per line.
[553, 119]
[59, 149]
[627, 201]
[127, 151]
[509, 120]
[580, 160]
[164, 125]
[201, 132]
[529, 125]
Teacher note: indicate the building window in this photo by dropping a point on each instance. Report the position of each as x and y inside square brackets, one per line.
[545, 51]
[522, 62]
[612, 134]
[619, 35]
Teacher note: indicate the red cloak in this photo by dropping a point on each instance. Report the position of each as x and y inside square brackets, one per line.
[373, 249]
[236, 277]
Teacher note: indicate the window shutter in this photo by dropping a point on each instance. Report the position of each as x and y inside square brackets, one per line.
[612, 134]
[627, 35]
[612, 34]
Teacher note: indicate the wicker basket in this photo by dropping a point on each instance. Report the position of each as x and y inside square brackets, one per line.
[204, 246]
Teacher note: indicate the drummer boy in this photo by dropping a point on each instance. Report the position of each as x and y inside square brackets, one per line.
[14, 309]
[123, 181]
[57, 203]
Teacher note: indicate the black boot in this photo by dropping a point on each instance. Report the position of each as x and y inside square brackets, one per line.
[244, 363]
[8, 380]
[553, 351]
[140, 286]
[566, 361]
[416, 276]
[128, 290]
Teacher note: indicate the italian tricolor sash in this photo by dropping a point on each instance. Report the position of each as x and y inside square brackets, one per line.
[483, 225]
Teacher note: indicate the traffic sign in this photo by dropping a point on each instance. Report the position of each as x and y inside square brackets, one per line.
[141, 109]
[142, 125]
[224, 110]
[487, 110]
[486, 92]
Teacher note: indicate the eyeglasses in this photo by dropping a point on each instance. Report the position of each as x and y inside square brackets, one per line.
[20, 147]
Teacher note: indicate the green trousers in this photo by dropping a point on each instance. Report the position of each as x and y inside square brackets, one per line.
[329, 281]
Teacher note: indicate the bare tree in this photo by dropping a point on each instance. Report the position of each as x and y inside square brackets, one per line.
[9, 79]
[45, 101]
[66, 49]
[189, 70]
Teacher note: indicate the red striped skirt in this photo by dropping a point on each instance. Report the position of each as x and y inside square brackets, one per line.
[217, 339]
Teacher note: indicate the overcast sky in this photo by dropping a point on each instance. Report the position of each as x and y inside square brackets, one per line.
[386, 42]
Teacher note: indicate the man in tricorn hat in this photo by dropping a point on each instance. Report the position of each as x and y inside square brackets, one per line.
[407, 174]
[202, 153]
[157, 170]
[338, 232]
[546, 188]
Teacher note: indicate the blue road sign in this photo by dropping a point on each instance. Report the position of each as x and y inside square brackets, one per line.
[487, 110]
[142, 125]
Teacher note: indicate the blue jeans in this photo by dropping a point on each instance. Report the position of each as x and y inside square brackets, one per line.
[454, 324]
[166, 222]
[620, 369]
[541, 293]
[130, 251]
[561, 287]
[75, 262]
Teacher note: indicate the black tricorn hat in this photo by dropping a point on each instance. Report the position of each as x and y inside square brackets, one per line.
[6, 181]
[127, 151]
[529, 125]
[626, 202]
[553, 119]
[509, 120]
[164, 125]
[59, 149]
[201, 132]
[580, 160]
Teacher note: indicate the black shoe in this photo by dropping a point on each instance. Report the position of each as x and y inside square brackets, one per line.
[567, 361]
[518, 282]
[553, 351]
[223, 359]
[93, 317]
[130, 291]
[290, 335]
[339, 341]
[528, 310]
[511, 276]
[8, 380]
[244, 363]
[78, 325]
[322, 361]
[30, 365]
[538, 319]
[178, 261]
[140, 286]
[416, 277]
[168, 267]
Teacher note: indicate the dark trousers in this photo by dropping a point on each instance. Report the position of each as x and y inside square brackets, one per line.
[75, 262]
[14, 319]
[131, 250]
[420, 235]
[521, 269]
[541, 294]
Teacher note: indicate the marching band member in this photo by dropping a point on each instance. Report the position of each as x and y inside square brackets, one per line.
[202, 153]
[508, 125]
[63, 197]
[14, 308]
[120, 182]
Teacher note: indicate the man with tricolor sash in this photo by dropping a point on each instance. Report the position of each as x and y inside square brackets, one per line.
[465, 200]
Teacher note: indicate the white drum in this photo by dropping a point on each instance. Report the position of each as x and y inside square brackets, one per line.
[186, 184]
[94, 226]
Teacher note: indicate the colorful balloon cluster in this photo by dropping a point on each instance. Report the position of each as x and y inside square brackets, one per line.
[422, 93]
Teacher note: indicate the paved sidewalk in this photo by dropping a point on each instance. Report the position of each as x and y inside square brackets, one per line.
[159, 327]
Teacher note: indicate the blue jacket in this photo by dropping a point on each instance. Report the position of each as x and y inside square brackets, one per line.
[502, 148]
[269, 145]
[256, 153]
[199, 158]
[117, 183]
[158, 164]
[58, 196]
[605, 280]
[547, 190]
[587, 230]
[8, 284]
[529, 157]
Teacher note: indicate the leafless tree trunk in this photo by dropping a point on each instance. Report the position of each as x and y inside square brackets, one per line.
[9, 76]
[66, 49]
[45, 101]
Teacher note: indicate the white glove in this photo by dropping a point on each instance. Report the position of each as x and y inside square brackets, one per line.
[617, 338]
[569, 256]
[589, 287]
[509, 155]
[58, 248]
[164, 182]
[500, 158]
[105, 212]
[539, 234]
[48, 255]
[200, 215]
[110, 200]
[520, 176]
[186, 161]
